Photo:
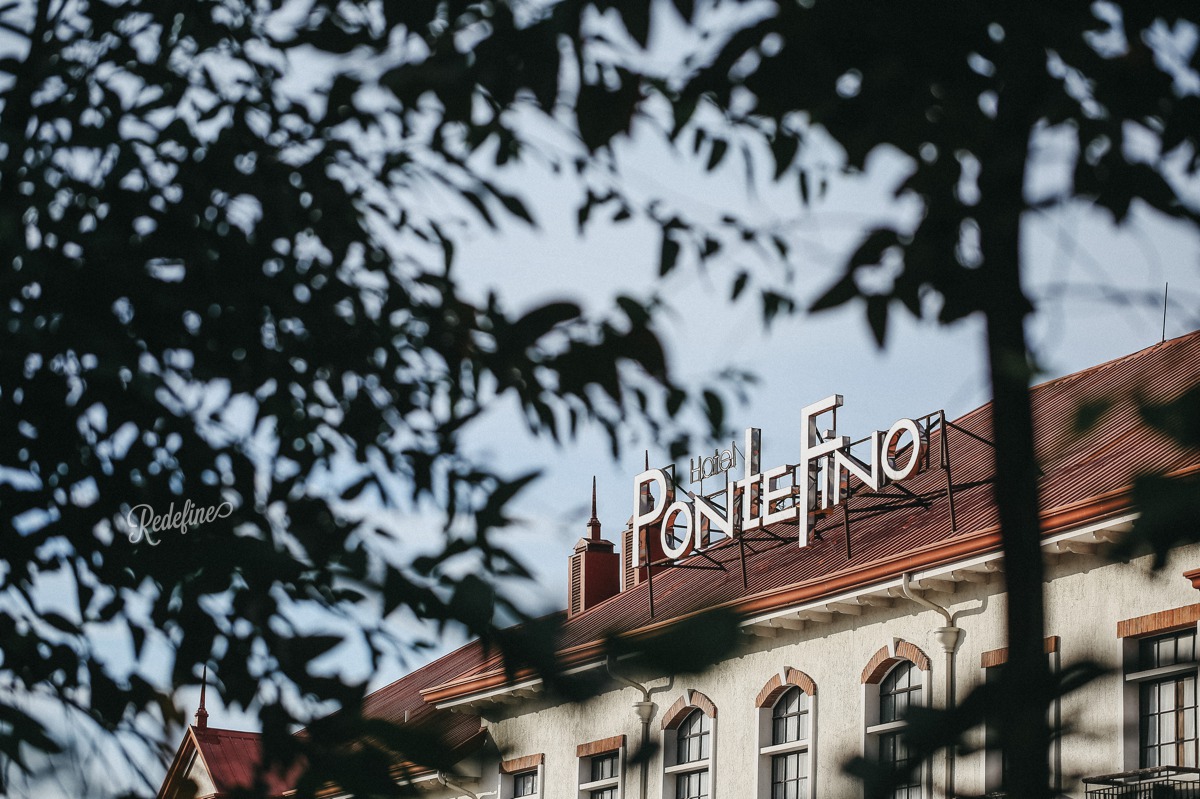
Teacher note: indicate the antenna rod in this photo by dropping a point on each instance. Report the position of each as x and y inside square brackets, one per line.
[1166, 286]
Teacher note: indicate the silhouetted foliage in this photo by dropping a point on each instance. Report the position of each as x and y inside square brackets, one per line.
[226, 286]
[965, 91]
[229, 232]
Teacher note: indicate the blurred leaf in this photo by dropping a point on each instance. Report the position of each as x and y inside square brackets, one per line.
[688, 647]
[473, 602]
[1088, 413]
[636, 17]
[841, 292]
[1168, 508]
[1179, 419]
[668, 255]
[877, 317]
[739, 285]
[717, 154]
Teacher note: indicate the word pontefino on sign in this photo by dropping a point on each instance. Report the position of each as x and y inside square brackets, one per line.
[760, 498]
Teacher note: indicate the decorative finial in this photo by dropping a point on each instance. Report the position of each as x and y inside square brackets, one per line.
[593, 525]
[201, 713]
[644, 498]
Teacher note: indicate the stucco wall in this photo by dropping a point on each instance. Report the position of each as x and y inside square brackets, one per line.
[1085, 598]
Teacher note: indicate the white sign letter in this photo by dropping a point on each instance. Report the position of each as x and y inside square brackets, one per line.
[916, 452]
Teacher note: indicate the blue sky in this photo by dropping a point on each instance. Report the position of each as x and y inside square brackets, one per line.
[1098, 290]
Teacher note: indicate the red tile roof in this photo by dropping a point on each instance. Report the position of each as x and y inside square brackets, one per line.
[233, 756]
[401, 702]
[1085, 477]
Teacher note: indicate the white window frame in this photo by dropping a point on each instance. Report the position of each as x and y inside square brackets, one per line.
[1131, 680]
[767, 750]
[873, 729]
[671, 768]
[508, 786]
[587, 784]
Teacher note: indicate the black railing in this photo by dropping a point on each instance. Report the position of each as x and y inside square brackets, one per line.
[1159, 782]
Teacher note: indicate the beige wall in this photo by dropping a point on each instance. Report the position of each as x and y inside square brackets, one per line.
[1085, 598]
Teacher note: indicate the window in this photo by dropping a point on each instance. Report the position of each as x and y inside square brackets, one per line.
[995, 763]
[522, 776]
[784, 760]
[525, 783]
[789, 718]
[789, 775]
[692, 738]
[1158, 697]
[600, 776]
[604, 766]
[1166, 678]
[692, 785]
[900, 689]
[691, 753]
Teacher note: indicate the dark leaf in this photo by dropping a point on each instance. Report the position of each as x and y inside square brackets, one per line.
[1179, 419]
[1089, 413]
[739, 285]
[669, 253]
[688, 647]
[877, 316]
[841, 292]
[1169, 507]
[636, 17]
[717, 154]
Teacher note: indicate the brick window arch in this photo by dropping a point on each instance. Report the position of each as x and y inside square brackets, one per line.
[888, 656]
[678, 711]
[781, 682]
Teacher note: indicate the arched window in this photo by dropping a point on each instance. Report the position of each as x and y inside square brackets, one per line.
[899, 690]
[787, 706]
[689, 740]
[789, 727]
[693, 742]
[895, 680]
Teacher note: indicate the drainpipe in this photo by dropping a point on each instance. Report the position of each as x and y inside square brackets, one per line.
[948, 638]
[645, 712]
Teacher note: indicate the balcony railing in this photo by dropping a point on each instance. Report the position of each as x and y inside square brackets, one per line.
[1159, 782]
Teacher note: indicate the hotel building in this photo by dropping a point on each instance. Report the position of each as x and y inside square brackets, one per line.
[894, 598]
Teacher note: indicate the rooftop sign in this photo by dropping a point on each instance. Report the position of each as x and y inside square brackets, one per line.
[787, 493]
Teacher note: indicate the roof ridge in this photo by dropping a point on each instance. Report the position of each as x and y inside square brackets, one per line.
[224, 731]
[1091, 370]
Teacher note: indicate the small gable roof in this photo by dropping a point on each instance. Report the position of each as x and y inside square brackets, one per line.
[229, 760]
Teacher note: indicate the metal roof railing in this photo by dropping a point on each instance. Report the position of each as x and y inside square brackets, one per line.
[1157, 782]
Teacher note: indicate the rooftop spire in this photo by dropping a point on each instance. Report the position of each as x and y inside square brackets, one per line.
[201, 713]
[593, 525]
[644, 498]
